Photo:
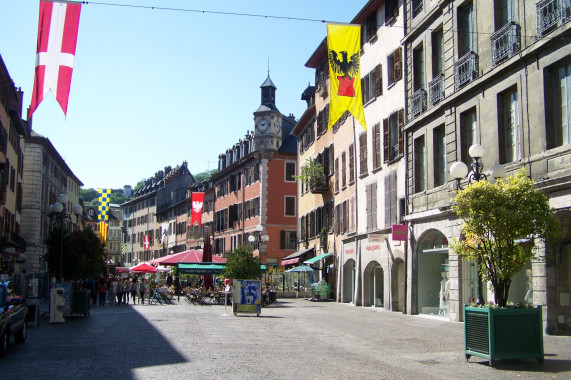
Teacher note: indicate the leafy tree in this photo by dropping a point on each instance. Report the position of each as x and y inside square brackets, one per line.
[117, 198]
[204, 175]
[82, 255]
[88, 196]
[495, 217]
[242, 264]
[139, 185]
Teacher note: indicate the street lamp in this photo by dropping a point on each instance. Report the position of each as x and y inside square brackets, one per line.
[59, 216]
[257, 238]
[459, 170]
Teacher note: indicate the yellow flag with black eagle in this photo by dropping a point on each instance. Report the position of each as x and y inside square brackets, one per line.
[344, 56]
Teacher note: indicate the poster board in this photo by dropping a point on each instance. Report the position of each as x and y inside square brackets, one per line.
[246, 297]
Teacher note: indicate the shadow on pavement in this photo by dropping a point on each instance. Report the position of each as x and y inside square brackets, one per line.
[84, 347]
[550, 365]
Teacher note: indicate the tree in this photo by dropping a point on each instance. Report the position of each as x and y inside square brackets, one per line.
[242, 264]
[501, 223]
[82, 255]
[89, 196]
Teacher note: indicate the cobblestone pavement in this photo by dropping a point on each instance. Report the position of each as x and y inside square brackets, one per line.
[293, 338]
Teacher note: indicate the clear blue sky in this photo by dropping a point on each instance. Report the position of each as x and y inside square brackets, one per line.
[153, 88]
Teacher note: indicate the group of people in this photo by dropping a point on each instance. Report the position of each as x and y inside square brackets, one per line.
[117, 291]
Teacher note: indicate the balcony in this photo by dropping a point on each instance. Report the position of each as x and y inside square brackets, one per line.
[505, 43]
[318, 185]
[465, 70]
[550, 13]
[418, 101]
[436, 90]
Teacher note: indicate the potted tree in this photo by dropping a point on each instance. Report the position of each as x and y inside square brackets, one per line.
[313, 174]
[501, 222]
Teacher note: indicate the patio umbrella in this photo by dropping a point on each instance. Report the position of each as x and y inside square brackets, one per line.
[302, 269]
[192, 256]
[207, 258]
[143, 268]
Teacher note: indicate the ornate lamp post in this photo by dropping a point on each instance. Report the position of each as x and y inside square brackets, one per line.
[257, 238]
[58, 215]
[459, 171]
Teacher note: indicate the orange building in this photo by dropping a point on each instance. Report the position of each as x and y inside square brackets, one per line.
[255, 188]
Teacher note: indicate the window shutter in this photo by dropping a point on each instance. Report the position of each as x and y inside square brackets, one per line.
[374, 205]
[378, 80]
[397, 65]
[395, 8]
[386, 140]
[401, 132]
[282, 239]
[387, 200]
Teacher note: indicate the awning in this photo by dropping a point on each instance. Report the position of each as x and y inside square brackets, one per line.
[294, 257]
[200, 268]
[317, 258]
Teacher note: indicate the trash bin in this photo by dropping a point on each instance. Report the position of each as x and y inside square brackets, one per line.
[80, 302]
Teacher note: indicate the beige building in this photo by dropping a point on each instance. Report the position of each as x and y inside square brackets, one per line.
[496, 73]
[13, 130]
[46, 176]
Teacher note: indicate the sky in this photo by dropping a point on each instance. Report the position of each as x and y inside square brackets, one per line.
[152, 88]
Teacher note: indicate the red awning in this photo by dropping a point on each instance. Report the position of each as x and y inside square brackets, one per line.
[192, 256]
[290, 261]
[143, 268]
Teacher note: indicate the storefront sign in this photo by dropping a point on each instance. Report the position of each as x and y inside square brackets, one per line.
[350, 251]
[373, 247]
[376, 238]
[400, 232]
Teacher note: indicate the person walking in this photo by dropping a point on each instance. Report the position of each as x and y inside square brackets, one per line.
[127, 291]
[102, 292]
[120, 290]
[134, 289]
[142, 290]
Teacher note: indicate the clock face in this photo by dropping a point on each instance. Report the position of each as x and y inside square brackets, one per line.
[263, 125]
[277, 126]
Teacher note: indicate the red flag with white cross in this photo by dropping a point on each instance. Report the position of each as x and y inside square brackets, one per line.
[57, 38]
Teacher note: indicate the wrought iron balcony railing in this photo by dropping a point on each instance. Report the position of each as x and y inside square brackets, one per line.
[436, 90]
[550, 13]
[418, 100]
[505, 42]
[465, 70]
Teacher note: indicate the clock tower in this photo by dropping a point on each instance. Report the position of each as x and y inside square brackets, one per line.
[268, 120]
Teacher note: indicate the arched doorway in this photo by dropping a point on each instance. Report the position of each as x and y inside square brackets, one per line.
[349, 282]
[374, 285]
[432, 270]
[397, 285]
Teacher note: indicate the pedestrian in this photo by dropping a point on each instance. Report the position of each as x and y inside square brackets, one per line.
[142, 290]
[134, 289]
[102, 292]
[120, 288]
[177, 285]
[127, 291]
[112, 292]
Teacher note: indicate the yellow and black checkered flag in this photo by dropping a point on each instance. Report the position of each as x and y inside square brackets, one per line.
[103, 212]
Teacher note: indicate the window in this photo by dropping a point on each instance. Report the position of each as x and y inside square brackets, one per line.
[288, 240]
[289, 206]
[351, 163]
[370, 27]
[371, 191]
[419, 165]
[391, 10]
[465, 29]
[372, 85]
[289, 171]
[508, 123]
[504, 12]
[394, 66]
[363, 154]
[393, 138]
[416, 7]
[437, 53]
[391, 198]
[376, 146]
[418, 68]
[322, 120]
[439, 147]
[558, 104]
[468, 134]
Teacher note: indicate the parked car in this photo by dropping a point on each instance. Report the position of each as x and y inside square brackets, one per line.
[13, 314]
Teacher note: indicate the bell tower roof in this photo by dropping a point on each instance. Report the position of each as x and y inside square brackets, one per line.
[269, 93]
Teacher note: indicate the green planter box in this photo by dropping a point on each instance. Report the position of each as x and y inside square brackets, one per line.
[80, 302]
[503, 333]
